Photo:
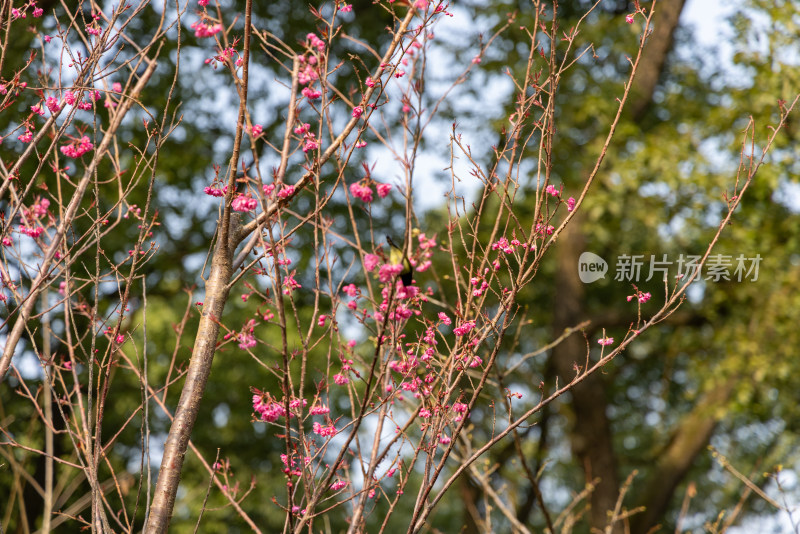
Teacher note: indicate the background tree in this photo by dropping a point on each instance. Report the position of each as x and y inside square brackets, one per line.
[114, 364]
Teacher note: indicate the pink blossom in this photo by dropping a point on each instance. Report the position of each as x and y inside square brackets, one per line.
[213, 191]
[201, 29]
[26, 137]
[325, 431]
[92, 30]
[244, 203]
[286, 191]
[389, 272]
[357, 111]
[296, 404]
[38, 12]
[308, 74]
[269, 412]
[52, 104]
[360, 144]
[640, 296]
[39, 208]
[77, 148]
[363, 192]
[464, 328]
[606, 341]
[444, 440]
[321, 320]
[570, 204]
[346, 8]
[311, 94]
[542, 229]
[7, 241]
[246, 341]
[551, 190]
[202, 3]
[290, 284]
[319, 410]
[315, 42]
[339, 484]
[68, 366]
[460, 407]
[629, 18]
[120, 339]
[340, 379]
[38, 109]
[370, 82]
[444, 318]
[371, 261]
[310, 144]
[383, 189]
[351, 290]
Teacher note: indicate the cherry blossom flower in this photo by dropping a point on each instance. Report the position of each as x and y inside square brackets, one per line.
[52, 104]
[244, 203]
[246, 341]
[324, 431]
[77, 148]
[362, 192]
[464, 328]
[371, 261]
[383, 189]
[319, 410]
[201, 29]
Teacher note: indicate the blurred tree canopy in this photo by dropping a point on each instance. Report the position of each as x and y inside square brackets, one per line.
[720, 372]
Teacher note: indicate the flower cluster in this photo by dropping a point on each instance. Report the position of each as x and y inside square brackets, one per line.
[201, 29]
[77, 148]
[361, 191]
[640, 296]
[309, 138]
[214, 191]
[244, 203]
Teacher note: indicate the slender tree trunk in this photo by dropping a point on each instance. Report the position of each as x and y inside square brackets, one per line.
[591, 434]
